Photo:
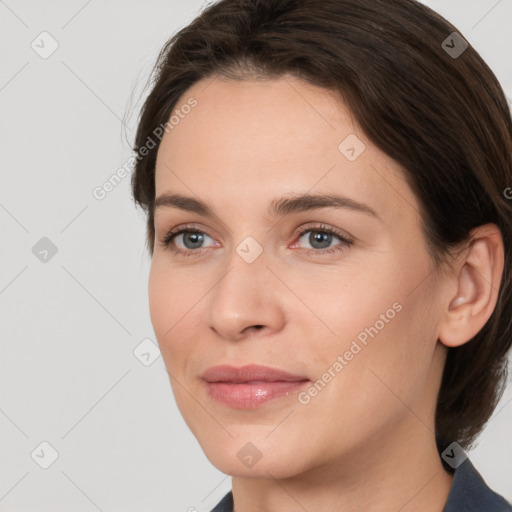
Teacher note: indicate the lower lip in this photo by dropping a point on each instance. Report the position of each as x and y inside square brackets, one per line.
[251, 395]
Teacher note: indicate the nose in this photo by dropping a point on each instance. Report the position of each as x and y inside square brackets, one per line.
[246, 300]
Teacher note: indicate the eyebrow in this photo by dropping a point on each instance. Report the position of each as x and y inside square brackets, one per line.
[278, 207]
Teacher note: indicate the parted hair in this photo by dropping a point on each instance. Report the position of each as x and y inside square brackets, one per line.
[440, 113]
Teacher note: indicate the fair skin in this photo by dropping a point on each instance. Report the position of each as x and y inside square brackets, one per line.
[366, 440]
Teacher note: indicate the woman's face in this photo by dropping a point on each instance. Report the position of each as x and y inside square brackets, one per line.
[357, 320]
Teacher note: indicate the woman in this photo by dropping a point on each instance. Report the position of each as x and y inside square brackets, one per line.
[331, 237]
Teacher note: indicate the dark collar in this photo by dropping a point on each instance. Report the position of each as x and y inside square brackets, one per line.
[469, 493]
[225, 504]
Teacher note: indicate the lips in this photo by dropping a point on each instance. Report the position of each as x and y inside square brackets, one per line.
[249, 373]
[250, 386]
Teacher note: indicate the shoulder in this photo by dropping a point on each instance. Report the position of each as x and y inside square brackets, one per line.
[470, 493]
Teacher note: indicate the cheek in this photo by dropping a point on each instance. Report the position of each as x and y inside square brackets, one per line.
[352, 301]
[380, 379]
[159, 295]
[376, 324]
[170, 303]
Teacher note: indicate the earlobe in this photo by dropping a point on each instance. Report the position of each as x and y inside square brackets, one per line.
[478, 279]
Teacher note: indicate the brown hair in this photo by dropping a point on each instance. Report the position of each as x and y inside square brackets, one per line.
[442, 116]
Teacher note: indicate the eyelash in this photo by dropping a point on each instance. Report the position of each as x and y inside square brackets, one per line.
[169, 237]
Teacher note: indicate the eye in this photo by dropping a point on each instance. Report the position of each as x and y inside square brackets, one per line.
[320, 238]
[191, 240]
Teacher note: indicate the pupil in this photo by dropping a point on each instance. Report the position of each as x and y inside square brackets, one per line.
[197, 239]
[317, 237]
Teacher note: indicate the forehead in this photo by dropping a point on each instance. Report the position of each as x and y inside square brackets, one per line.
[256, 140]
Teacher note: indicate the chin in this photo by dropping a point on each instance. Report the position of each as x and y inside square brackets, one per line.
[252, 456]
[268, 466]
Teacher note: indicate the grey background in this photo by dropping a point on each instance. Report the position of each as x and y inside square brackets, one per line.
[69, 326]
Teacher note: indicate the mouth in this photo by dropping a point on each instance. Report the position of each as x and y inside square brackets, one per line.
[250, 386]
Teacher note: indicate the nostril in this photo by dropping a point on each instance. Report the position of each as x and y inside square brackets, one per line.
[256, 327]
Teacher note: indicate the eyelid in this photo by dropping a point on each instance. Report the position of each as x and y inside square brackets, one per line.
[173, 233]
[310, 225]
[320, 226]
[192, 226]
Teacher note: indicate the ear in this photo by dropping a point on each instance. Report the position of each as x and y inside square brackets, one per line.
[477, 278]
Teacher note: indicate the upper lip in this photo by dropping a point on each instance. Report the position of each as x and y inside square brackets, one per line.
[249, 373]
